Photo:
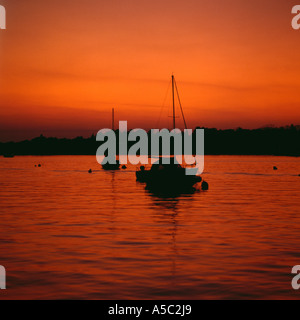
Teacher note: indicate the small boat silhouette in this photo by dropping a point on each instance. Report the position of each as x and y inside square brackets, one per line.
[8, 155]
[111, 166]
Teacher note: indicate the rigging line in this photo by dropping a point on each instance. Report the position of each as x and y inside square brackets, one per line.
[161, 110]
[180, 105]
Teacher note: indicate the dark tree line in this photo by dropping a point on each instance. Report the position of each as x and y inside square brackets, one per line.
[283, 141]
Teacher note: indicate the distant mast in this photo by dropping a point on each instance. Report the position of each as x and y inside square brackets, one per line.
[174, 87]
[113, 119]
[173, 96]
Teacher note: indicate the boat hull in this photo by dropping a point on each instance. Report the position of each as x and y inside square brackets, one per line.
[167, 180]
[111, 166]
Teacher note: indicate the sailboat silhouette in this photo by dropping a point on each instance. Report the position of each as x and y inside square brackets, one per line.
[169, 177]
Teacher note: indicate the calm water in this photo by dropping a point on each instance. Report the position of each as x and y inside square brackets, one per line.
[69, 234]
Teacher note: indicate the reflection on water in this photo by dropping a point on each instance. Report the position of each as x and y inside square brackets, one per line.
[168, 195]
[69, 234]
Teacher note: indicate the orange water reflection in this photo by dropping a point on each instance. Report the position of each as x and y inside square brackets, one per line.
[70, 234]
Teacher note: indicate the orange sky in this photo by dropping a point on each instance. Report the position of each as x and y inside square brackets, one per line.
[66, 63]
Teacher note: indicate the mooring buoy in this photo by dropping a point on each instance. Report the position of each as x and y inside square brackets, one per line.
[204, 185]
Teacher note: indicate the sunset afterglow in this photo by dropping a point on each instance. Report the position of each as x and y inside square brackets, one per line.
[64, 65]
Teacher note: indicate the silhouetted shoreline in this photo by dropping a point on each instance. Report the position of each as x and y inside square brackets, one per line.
[283, 141]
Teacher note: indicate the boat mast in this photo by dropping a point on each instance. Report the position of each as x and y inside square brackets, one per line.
[173, 95]
[180, 106]
[113, 119]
